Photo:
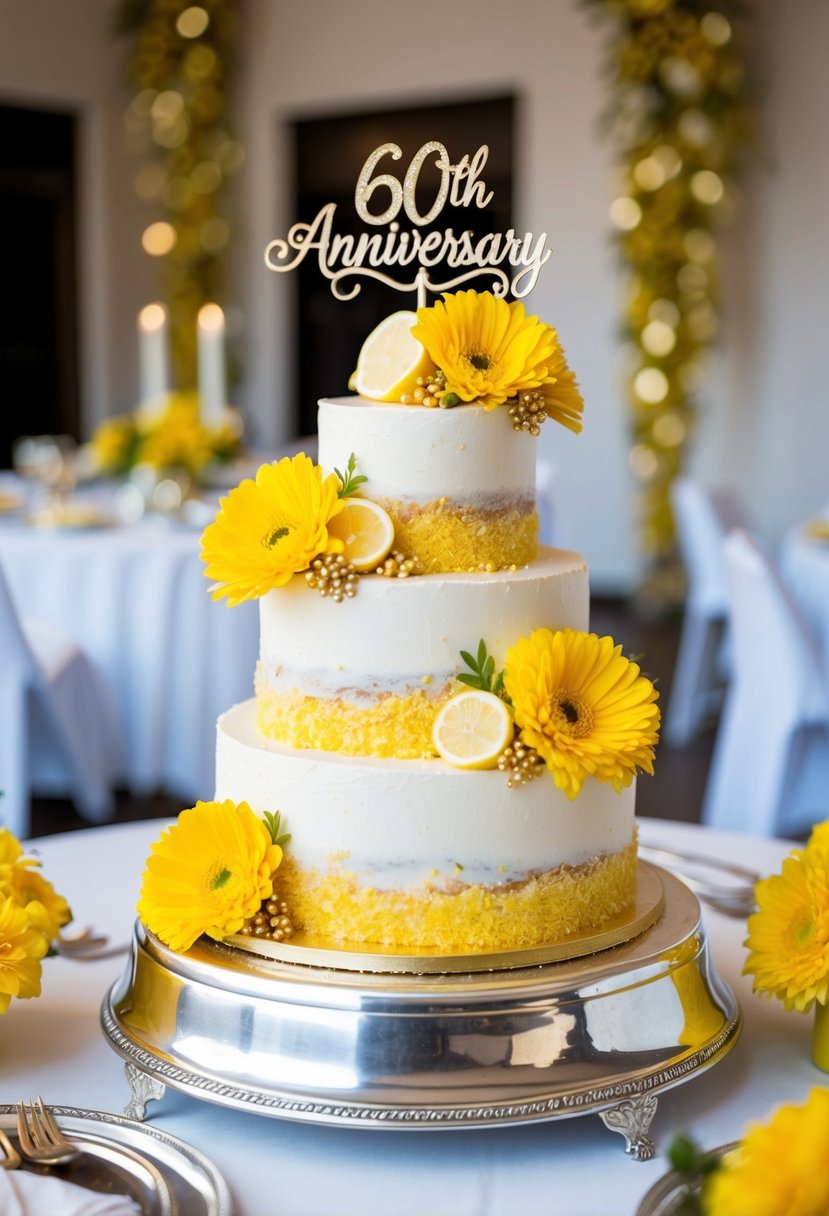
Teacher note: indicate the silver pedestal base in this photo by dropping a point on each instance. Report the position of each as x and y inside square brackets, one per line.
[601, 1034]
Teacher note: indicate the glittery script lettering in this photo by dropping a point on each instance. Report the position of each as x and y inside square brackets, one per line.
[343, 257]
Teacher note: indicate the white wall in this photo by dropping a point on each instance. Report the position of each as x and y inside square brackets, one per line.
[765, 423]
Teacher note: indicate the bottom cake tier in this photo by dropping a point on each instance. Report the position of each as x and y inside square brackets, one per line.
[416, 853]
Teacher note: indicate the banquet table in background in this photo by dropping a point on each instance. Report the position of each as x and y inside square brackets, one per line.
[136, 601]
[54, 1046]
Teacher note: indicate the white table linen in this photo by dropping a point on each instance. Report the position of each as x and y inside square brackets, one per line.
[136, 601]
[575, 1167]
[24, 1194]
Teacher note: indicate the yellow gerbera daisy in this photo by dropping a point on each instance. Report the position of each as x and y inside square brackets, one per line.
[788, 937]
[47, 910]
[562, 399]
[269, 529]
[583, 707]
[779, 1169]
[21, 948]
[819, 838]
[207, 873]
[488, 350]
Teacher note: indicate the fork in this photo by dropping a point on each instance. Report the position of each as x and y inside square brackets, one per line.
[11, 1160]
[40, 1137]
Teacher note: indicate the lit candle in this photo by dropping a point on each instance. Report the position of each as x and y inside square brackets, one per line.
[152, 355]
[211, 363]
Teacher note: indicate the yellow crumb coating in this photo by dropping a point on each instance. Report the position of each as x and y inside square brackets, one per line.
[445, 537]
[387, 726]
[540, 911]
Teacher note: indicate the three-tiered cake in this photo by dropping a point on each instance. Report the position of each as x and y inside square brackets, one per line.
[389, 843]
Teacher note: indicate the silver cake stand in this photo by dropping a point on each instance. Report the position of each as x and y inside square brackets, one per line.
[324, 1035]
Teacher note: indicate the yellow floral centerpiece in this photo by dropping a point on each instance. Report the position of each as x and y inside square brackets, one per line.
[778, 1168]
[579, 709]
[32, 914]
[173, 437]
[210, 873]
[788, 936]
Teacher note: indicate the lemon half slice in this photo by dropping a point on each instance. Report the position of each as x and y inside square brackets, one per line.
[366, 531]
[472, 729]
[391, 360]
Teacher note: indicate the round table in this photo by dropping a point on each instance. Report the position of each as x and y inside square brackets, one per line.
[135, 599]
[54, 1046]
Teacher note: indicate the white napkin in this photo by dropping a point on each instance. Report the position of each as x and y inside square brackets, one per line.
[23, 1194]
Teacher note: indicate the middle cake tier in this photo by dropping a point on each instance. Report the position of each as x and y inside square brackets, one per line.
[367, 676]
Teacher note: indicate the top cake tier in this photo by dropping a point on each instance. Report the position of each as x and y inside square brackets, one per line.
[459, 484]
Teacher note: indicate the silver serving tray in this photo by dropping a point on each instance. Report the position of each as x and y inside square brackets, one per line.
[165, 1176]
[325, 1044]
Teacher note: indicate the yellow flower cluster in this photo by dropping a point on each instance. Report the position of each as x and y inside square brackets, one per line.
[788, 937]
[180, 61]
[490, 351]
[585, 708]
[779, 1168]
[31, 917]
[173, 438]
[208, 873]
[678, 116]
[269, 529]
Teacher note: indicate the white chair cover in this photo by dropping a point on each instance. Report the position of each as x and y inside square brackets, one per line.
[770, 770]
[703, 519]
[59, 726]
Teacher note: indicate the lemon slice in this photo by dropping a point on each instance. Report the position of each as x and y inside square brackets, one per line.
[366, 531]
[391, 360]
[472, 729]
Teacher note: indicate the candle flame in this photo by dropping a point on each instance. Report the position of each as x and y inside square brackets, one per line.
[211, 318]
[152, 317]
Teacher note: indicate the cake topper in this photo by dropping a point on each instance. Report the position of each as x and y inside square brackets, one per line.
[342, 257]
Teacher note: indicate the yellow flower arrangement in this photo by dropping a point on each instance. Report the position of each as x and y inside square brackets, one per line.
[490, 351]
[31, 917]
[788, 937]
[269, 529]
[585, 708]
[174, 438]
[779, 1168]
[208, 873]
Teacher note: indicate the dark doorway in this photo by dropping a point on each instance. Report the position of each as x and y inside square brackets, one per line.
[38, 333]
[328, 156]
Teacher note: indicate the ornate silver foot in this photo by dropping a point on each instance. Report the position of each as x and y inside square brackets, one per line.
[144, 1088]
[631, 1119]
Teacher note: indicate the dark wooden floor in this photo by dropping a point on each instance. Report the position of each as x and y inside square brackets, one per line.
[674, 792]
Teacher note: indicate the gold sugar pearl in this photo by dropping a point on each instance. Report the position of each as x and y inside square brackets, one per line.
[332, 576]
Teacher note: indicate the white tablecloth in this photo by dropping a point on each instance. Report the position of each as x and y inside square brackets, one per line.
[804, 564]
[135, 599]
[53, 1046]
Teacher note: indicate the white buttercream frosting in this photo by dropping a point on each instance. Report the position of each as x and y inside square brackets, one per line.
[396, 632]
[467, 454]
[399, 823]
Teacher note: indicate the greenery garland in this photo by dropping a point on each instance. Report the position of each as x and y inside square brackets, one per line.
[678, 116]
[178, 72]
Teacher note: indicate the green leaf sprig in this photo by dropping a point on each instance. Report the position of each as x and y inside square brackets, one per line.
[273, 824]
[482, 672]
[349, 481]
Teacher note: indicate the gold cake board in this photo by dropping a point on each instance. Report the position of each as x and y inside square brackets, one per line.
[501, 1040]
